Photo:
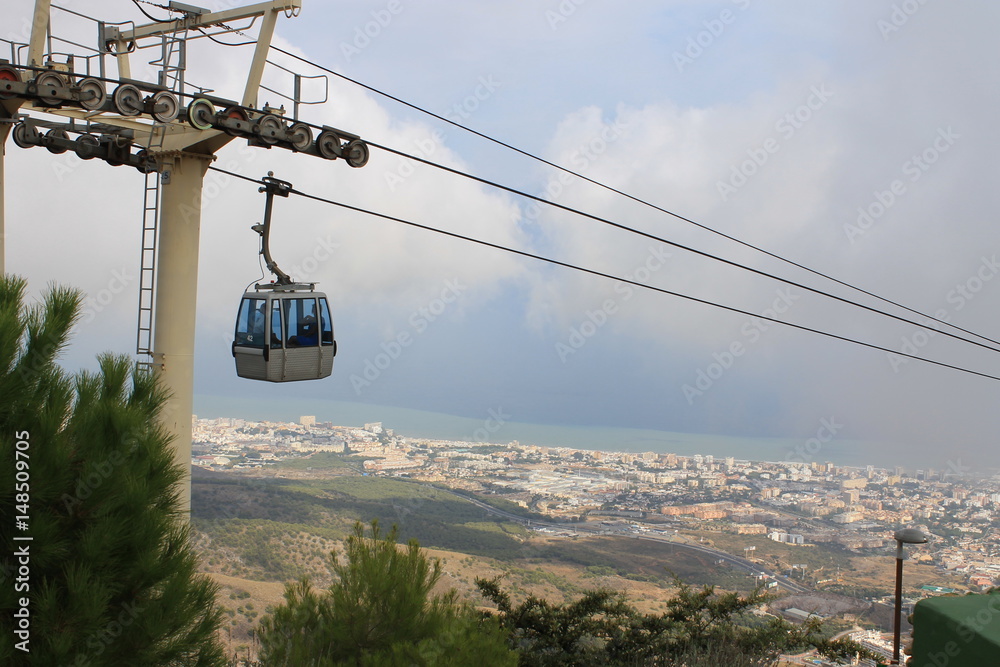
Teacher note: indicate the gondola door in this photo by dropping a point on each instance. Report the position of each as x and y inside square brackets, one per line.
[276, 362]
[302, 348]
[249, 348]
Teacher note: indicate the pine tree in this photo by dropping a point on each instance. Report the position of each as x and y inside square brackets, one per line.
[701, 628]
[379, 611]
[110, 576]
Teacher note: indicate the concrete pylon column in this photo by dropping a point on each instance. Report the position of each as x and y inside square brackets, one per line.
[176, 296]
[4, 131]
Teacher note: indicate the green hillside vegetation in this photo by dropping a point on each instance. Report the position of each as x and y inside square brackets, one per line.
[643, 560]
[227, 507]
[278, 530]
[828, 557]
[326, 461]
[384, 607]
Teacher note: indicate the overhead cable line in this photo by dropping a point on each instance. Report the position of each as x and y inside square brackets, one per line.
[150, 16]
[217, 41]
[632, 197]
[672, 243]
[608, 276]
[680, 246]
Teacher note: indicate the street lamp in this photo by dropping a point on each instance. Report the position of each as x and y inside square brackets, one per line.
[908, 536]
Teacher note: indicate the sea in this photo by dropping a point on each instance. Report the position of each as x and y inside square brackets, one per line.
[495, 428]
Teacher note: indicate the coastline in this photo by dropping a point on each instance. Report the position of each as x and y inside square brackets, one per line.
[494, 427]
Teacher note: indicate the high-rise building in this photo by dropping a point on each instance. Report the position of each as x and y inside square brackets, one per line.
[308, 420]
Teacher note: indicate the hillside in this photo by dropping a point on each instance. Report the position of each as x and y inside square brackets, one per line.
[256, 532]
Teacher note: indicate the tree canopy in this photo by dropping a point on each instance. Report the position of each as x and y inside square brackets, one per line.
[380, 610]
[109, 576]
[701, 628]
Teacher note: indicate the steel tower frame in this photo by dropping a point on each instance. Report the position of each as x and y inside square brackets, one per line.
[182, 157]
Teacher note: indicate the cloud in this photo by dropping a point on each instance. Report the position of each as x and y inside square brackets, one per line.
[376, 268]
[816, 133]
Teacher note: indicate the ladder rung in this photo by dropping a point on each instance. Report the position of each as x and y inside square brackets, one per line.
[147, 268]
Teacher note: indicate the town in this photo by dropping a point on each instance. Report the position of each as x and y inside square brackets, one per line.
[799, 503]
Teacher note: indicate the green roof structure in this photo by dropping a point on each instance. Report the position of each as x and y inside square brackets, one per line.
[957, 631]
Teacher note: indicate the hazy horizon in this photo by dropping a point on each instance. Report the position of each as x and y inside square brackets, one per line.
[423, 424]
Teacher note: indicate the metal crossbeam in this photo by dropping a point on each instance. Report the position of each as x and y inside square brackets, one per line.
[192, 21]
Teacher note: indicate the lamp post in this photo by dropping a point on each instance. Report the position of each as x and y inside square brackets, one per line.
[908, 536]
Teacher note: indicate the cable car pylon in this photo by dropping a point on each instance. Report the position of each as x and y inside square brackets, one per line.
[110, 118]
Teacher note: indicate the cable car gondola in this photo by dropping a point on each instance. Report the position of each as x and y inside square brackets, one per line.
[284, 331]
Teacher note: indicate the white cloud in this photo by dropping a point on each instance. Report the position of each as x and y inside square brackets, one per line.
[862, 102]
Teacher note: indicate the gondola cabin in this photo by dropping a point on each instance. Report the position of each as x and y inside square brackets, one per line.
[284, 336]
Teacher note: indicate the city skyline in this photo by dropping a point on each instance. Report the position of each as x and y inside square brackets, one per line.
[795, 503]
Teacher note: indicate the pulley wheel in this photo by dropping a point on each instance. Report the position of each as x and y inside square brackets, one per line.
[301, 136]
[25, 135]
[164, 106]
[146, 162]
[128, 100]
[357, 153]
[240, 114]
[92, 94]
[87, 146]
[328, 145]
[270, 130]
[200, 114]
[119, 151]
[51, 88]
[8, 75]
[56, 134]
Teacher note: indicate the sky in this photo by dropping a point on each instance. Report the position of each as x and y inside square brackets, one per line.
[854, 138]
